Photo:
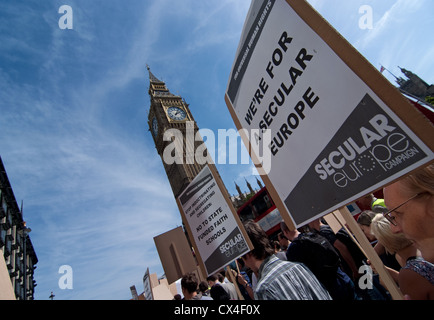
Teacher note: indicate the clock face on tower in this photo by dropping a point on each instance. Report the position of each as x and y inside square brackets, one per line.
[176, 113]
[154, 126]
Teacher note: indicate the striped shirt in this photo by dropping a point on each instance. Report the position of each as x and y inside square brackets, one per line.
[284, 280]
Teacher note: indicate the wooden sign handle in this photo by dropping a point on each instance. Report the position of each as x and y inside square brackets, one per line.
[371, 254]
[235, 282]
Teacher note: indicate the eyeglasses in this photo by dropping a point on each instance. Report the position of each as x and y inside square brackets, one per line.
[388, 214]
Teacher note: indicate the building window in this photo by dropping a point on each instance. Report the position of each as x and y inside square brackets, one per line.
[2, 235]
[8, 245]
[4, 204]
[8, 218]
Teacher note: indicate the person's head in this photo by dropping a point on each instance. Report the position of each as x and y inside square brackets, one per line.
[364, 220]
[220, 277]
[366, 201]
[189, 285]
[392, 242]
[203, 286]
[411, 203]
[212, 279]
[276, 245]
[283, 241]
[262, 248]
[290, 235]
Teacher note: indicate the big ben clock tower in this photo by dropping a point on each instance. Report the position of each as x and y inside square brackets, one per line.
[170, 111]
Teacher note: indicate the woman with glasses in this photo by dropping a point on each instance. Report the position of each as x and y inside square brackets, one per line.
[412, 213]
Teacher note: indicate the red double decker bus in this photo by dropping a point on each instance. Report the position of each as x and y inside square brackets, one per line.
[261, 209]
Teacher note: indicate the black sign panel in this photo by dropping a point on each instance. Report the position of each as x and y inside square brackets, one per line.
[368, 148]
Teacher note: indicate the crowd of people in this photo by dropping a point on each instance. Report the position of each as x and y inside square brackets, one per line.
[315, 263]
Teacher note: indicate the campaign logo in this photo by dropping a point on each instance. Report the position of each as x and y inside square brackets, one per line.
[368, 148]
[230, 249]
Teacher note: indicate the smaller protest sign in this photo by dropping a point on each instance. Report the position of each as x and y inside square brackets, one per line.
[213, 225]
[175, 254]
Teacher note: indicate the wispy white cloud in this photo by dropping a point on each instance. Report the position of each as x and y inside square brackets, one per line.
[94, 197]
[397, 14]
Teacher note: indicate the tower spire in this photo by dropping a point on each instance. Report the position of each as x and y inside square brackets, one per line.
[239, 191]
[249, 186]
[152, 78]
[259, 183]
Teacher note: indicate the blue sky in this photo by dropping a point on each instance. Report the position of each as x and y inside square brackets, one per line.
[73, 117]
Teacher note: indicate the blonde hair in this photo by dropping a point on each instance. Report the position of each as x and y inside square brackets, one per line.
[392, 242]
[422, 181]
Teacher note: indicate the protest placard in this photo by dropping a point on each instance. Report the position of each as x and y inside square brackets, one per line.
[213, 225]
[322, 125]
[175, 254]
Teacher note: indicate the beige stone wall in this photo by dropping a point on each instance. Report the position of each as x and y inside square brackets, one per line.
[6, 290]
